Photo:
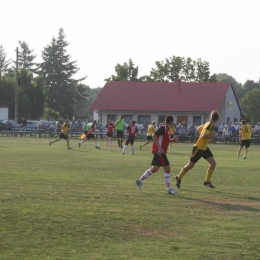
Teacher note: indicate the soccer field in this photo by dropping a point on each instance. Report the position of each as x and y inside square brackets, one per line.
[84, 203]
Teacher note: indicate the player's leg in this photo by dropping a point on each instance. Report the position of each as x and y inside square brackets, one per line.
[146, 174]
[125, 145]
[210, 170]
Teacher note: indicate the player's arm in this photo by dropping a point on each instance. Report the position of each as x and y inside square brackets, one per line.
[159, 132]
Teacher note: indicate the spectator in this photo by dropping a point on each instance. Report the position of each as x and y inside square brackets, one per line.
[227, 135]
[53, 124]
[192, 131]
[42, 121]
[257, 129]
[9, 125]
[24, 122]
[58, 126]
[79, 124]
[221, 127]
[182, 134]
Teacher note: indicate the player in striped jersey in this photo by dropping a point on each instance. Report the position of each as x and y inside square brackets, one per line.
[161, 139]
[200, 149]
[245, 133]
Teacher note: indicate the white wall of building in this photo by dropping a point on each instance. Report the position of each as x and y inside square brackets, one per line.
[3, 113]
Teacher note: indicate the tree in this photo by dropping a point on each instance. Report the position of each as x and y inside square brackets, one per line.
[251, 105]
[177, 67]
[58, 71]
[26, 58]
[223, 77]
[4, 63]
[32, 95]
[125, 72]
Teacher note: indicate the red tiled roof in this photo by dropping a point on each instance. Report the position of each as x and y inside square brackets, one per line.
[161, 96]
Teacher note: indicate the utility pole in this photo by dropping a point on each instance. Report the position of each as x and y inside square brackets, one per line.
[16, 89]
[74, 103]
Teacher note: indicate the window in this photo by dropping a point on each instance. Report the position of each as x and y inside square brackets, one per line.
[235, 120]
[161, 119]
[228, 120]
[141, 119]
[128, 118]
[113, 117]
[197, 120]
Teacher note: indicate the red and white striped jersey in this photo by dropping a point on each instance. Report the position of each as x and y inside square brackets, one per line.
[163, 136]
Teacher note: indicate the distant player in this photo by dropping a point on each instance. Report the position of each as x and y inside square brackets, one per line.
[150, 131]
[245, 133]
[110, 129]
[161, 139]
[172, 131]
[120, 124]
[63, 134]
[132, 130]
[90, 134]
[201, 150]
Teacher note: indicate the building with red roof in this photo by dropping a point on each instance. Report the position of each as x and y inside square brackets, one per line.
[152, 101]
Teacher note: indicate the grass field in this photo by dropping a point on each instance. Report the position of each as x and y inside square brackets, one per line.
[84, 204]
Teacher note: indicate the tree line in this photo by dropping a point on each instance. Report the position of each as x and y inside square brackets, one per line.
[49, 88]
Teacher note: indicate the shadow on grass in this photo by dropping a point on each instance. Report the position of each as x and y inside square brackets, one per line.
[227, 206]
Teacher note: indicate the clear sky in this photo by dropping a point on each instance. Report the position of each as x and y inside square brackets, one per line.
[226, 33]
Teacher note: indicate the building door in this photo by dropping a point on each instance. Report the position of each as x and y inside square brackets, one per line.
[180, 119]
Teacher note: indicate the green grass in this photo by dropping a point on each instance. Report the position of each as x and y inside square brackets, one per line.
[84, 204]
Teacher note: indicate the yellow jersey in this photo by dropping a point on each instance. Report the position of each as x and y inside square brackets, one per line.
[172, 129]
[64, 128]
[151, 129]
[245, 131]
[207, 129]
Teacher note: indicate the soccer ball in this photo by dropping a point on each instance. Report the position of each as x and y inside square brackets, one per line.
[97, 146]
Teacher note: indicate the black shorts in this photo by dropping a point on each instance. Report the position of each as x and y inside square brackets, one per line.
[245, 143]
[149, 138]
[63, 136]
[109, 134]
[160, 160]
[130, 139]
[90, 136]
[197, 154]
[119, 133]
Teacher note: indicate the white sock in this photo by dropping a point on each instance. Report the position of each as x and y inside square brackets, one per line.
[132, 149]
[146, 174]
[167, 179]
[124, 148]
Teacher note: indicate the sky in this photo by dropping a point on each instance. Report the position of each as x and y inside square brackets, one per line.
[103, 33]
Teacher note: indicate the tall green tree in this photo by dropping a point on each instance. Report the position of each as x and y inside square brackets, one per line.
[32, 95]
[26, 57]
[4, 63]
[251, 105]
[58, 71]
[7, 87]
[125, 72]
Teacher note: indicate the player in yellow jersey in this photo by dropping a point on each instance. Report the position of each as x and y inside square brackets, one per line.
[63, 134]
[151, 129]
[201, 149]
[245, 133]
[172, 131]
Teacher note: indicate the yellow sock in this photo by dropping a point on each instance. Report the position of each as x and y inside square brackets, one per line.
[209, 174]
[181, 174]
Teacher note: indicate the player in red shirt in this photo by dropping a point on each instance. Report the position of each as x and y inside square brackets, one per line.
[161, 140]
[110, 129]
[132, 132]
[90, 134]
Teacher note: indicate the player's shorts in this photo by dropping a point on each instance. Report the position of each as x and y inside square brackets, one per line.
[109, 134]
[63, 136]
[86, 133]
[197, 154]
[91, 136]
[119, 133]
[130, 139]
[245, 143]
[160, 160]
[149, 138]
